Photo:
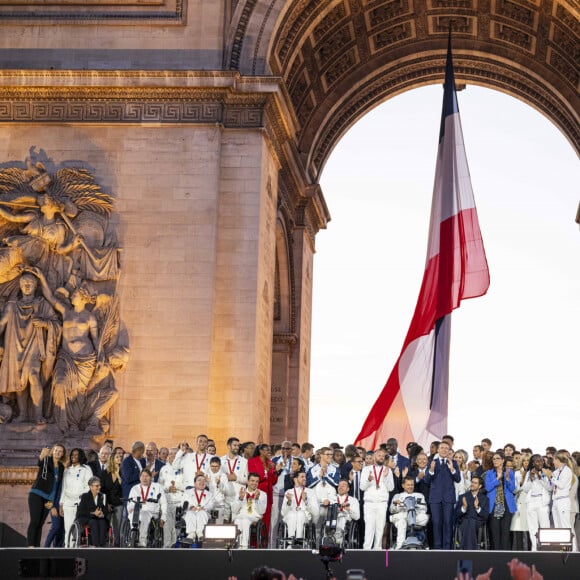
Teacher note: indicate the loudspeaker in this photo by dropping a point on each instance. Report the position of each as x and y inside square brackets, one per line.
[52, 567]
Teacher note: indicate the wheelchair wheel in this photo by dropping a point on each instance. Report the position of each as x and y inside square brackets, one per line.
[258, 535]
[154, 534]
[126, 536]
[309, 536]
[352, 536]
[281, 539]
[75, 535]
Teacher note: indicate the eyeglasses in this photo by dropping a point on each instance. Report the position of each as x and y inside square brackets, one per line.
[286, 448]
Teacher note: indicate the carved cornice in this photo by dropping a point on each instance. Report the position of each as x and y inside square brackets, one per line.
[287, 338]
[18, 475]
[101, 12]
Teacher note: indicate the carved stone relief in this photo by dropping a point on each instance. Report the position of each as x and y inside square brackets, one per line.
[61, 335]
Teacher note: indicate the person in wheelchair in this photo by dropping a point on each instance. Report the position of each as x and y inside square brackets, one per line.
[409, 510]
[200, 502]
[299, 508]
[346, 509]
[92, 511]
[471, 513]
[249, 507]
[153, 503]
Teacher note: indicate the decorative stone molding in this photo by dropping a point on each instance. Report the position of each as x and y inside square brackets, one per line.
[18, 475]
[160, 12]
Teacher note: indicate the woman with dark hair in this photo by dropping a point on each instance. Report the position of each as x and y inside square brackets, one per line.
[92, 511]
[295, 469]
[537, 490]
[75, 483]
[44, 490]
[264, 467]
[500, 486]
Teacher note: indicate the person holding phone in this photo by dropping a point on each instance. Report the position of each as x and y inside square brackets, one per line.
[44, 490]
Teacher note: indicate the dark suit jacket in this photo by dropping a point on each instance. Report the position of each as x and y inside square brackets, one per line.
[130, 474]
[442, 488]
[96, 469]
[471, 511]
[87, 507]
[421, 486]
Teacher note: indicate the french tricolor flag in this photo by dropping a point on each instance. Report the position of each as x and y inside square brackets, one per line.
[413, 404]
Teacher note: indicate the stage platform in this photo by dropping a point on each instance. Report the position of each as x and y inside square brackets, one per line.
[219, 564]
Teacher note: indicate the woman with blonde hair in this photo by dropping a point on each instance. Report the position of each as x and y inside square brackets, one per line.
[112, 488]
[562, 480]
[461, 456]
[519, 526]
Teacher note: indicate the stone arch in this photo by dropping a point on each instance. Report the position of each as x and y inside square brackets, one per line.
[340, 58]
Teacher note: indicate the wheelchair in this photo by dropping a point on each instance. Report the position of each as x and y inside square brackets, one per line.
[348, 539]
[482, 537]
[416, 536]
[79, 536]
[308, 540]
[130, 529]
[258, 535]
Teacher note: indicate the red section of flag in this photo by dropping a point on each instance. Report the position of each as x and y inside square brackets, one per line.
[459, 271]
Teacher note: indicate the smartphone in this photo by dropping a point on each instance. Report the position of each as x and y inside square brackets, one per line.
[465, 567]
[355, 574]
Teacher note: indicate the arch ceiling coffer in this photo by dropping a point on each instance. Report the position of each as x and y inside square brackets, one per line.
[339, 58]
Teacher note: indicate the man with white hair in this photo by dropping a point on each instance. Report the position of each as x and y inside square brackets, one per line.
[99, 466]
[131, 467]
[171, 480]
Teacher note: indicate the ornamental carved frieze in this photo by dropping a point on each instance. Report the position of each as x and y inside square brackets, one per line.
[62, 339]
[115, 12]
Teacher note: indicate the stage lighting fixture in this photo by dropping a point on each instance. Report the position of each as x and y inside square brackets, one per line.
[220, 535]
[52, 567]
[555, 539]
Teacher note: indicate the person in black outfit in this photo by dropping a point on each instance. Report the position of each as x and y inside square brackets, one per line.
[92, 510]
[112, 488]
[295, 468]
[44, 491]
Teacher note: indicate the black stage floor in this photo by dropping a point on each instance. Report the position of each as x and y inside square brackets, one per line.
[219, 564]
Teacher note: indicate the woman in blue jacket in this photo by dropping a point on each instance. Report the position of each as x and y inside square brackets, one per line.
[500, 486]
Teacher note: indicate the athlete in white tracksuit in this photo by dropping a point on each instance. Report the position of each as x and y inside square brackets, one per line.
[538, 490]
[200, 503]
[75, 482]
[171, 480]
[300, 506]
[248, 508]
[376, 481]
[153, 503]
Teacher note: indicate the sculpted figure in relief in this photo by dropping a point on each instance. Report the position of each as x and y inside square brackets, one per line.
[62, 350]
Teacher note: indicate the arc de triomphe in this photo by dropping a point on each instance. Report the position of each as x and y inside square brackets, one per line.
[209, 122]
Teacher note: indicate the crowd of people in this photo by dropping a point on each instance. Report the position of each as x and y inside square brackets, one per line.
[288, 486]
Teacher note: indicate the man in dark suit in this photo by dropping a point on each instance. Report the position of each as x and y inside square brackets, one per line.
[99, 466]
[442, 474]
[152, 461]
[131, 467]
[353, 477]
[471, 513]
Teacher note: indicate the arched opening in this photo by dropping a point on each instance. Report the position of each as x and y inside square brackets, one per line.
[513, 351]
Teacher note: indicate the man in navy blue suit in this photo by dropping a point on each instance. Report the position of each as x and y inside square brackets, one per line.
[442, 474]
[471, 513]
[152, 462]
[131, 467]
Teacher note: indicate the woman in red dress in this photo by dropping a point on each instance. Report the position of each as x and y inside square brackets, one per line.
[263, 466]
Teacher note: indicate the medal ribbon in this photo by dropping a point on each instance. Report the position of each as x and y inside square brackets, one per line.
[378, 479]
